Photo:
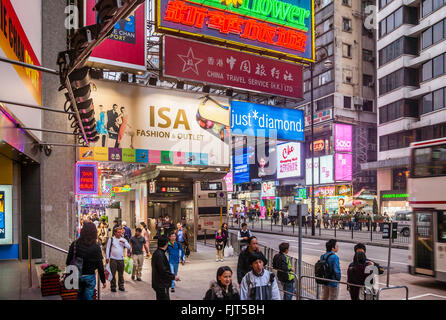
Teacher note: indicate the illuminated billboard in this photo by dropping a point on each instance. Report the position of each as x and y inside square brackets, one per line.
[281, 28]
[343, 167]
[87, 178]
[5, 214]
[289, 158]
[343, 137]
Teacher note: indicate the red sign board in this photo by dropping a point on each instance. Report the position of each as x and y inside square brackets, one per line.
[126, 45]
[200, 62]
[86, 178]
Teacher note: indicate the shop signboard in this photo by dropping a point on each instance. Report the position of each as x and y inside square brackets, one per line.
[326, 169]
[282, 28]
[125, 47]
[343, 137]
[289, 160]
[21, 40]
[343, 167]
[258, 120]
[394, 196]
[229, 182]
[319, 145]
[86, 178]
[302, 193]
[166, 127]
[344, 190]
[329, 191]
[152, 187]
[319, 117]
[309, 171]
[5, 214]
[240, 165]
[268, 190]
[200, 62]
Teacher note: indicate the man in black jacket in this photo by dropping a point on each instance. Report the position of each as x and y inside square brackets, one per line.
[282, 263]
[161, 275]
[243, 265]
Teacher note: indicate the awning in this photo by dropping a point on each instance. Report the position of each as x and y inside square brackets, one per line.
[389, 163]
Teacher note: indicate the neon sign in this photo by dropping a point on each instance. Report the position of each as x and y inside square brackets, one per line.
[277, 26]
[86, 178]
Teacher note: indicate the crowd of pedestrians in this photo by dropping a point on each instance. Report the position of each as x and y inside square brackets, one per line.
[254, 279]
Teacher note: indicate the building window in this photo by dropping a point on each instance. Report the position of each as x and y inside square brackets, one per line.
[324, 78]
[434, 34]
[347, 102]
[392, 21]
[429, 6]
[399, 178]
[437, 32]
[367, 80]
[324, 103]
[438, 98]
[367, 55]
[368, 105]
[397, 79]
[346, 24]
[438, 65]
[347, 50]
[426, 71]
[403, 45]
[433, 68]
[397, 110]
[426, 103]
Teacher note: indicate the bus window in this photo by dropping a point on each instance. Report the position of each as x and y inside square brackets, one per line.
[211, 186]
[430, 161]
[442, 226]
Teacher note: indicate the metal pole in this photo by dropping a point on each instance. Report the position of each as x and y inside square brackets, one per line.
[204, 236]
[390, 254]
[299, 271]
[35, 107]
[313, 230]
[29, 66]
[221, 215]
[30, 277]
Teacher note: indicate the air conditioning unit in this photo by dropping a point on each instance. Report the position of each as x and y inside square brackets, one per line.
[358, 100]
[371, 84]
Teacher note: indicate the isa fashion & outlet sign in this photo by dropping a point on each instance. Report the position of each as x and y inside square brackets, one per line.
[260, 120]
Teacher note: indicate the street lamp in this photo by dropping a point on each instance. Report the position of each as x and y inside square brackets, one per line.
[327, 64]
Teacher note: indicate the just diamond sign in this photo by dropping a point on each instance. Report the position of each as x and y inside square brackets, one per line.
[199, 62]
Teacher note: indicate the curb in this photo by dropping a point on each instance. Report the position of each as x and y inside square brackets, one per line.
[395, 246]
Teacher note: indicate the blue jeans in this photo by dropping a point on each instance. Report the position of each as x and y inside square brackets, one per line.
[174, 270]
[288, 287]
[87, 284]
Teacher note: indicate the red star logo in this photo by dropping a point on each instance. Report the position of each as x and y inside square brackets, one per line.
[190, 62]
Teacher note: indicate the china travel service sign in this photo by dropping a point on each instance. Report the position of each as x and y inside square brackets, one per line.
[149, 125]
[281, 28]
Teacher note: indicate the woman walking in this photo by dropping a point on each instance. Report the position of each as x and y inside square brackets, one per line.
[176, 255]
[103, 235]
[356, 274]
[146, 234]
[219, 245]
[222, 289]
[87, 249]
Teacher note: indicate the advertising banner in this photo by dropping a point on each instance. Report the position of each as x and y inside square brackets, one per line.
[326, 169]
[343, 137]
[263, 162]
[259, 120]
[319, 117]
[195, 61]
[344, 190]
[289, 159]
[343, 167]
[162, 127]
[229, 182]
[241, 168]
[5, 214]
[268, 190]
[21, 40]
[309, 171]
[274, 27]
[125, 47]
[87, 178]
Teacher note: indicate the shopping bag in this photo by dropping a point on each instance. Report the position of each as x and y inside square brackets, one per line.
[229, 252]
[108, 273]
[128, 265]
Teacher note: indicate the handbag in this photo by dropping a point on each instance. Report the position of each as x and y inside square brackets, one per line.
[108, 273]
[229, 252]
[78, 262]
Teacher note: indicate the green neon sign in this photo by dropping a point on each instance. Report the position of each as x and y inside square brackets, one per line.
[395, 195]
[274, 11]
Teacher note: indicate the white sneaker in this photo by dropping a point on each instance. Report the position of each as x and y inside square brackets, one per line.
[221, 260]
[216, 260]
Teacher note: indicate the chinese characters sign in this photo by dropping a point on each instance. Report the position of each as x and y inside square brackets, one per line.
[276, 27]
[86, 178]
[344, 167]
[289, 160]
[195, 61]
[343, 137]
[268, 190]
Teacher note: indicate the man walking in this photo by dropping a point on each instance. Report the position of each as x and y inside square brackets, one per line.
[161, 275]
[331, 289]
[182, 238]
[243, 265]
[138, 242]
[243, 236]
[115, 256]
[282, 263]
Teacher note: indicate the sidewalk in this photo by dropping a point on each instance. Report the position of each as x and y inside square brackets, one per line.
[326, 234]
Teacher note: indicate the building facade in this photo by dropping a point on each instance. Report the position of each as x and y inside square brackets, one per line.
[344, 93]
[411, 97]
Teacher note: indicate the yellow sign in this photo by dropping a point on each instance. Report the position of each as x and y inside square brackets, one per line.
[86, 153]
[100, 154]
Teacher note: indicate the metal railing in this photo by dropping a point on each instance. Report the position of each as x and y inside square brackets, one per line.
[30, 278]
[393, 288]
[359, 231]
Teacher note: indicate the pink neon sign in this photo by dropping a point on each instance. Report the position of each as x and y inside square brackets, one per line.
[343, 137]
[343, 167]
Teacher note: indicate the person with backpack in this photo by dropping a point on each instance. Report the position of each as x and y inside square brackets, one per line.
[328, 268]
[356, 274]
[259, 284]
[86, 254]
[282, 263]
[243, 265]
[127, 231]
[243, 235]
[223, 289]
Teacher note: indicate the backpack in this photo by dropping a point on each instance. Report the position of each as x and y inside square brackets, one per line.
[322, 269]
[281, 275]
[252, 293]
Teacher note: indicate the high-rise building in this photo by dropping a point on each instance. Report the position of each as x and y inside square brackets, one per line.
[344, 93]
[411, 89]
